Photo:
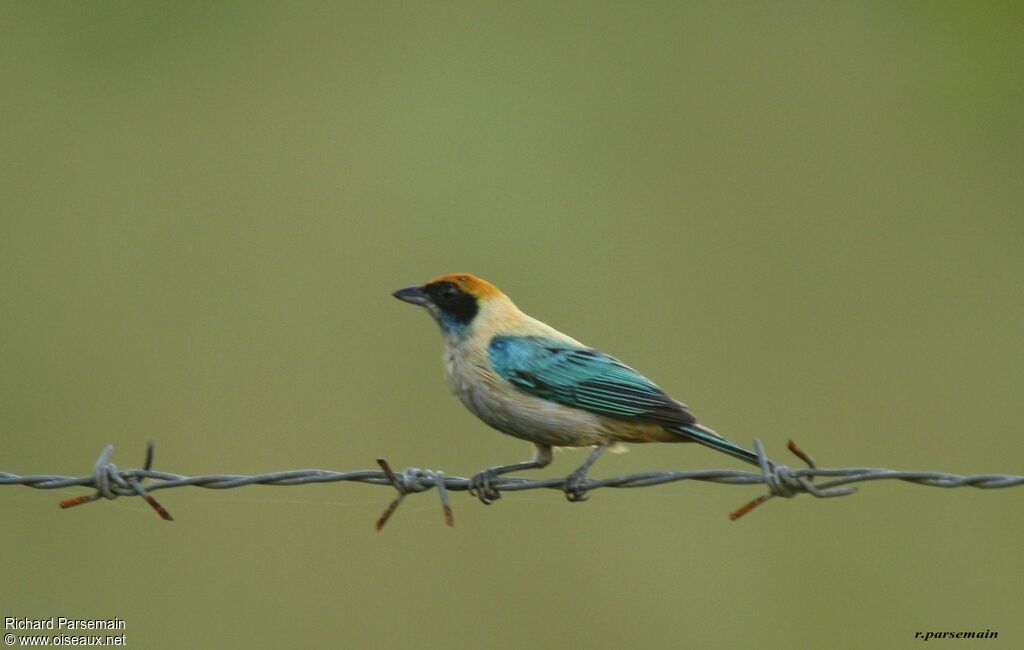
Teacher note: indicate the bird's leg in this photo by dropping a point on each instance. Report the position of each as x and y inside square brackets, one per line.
[574, 490]
[480, 485]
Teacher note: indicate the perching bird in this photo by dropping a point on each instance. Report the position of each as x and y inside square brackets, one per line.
[529, 380]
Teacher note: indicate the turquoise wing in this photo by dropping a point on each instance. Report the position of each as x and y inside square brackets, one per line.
[583, 378]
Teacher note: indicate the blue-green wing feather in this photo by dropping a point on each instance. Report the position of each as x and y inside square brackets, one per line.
[594, 381]
[583, 378]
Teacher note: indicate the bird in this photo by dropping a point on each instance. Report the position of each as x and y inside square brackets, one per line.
[529, 380]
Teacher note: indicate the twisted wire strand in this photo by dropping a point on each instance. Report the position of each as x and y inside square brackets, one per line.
[109, 482]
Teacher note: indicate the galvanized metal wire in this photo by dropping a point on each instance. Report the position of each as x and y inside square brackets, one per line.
[109, 482]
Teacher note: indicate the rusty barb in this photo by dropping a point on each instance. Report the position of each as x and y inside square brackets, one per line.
[782, 483]
[409, 482]
[109, 482]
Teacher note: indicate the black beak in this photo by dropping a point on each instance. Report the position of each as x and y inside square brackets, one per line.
[412, 295]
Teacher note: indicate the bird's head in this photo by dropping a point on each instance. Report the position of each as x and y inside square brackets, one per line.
[454, 300]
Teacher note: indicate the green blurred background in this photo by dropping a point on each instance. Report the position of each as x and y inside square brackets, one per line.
[803, 219]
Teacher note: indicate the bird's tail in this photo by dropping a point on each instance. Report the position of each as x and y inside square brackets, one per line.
[708, 438]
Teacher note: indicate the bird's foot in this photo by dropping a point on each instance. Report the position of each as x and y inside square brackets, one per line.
[480, 487]
[575, 486]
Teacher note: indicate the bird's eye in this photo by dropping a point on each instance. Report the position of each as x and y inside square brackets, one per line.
[448, 294]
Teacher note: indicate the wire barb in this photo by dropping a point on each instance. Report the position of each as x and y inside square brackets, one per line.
[109, 482]
[782, 482]
[407, 483]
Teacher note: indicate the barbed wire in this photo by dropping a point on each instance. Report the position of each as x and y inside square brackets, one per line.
[781, 481]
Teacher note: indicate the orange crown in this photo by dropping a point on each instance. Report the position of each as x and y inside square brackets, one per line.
[471, 284]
